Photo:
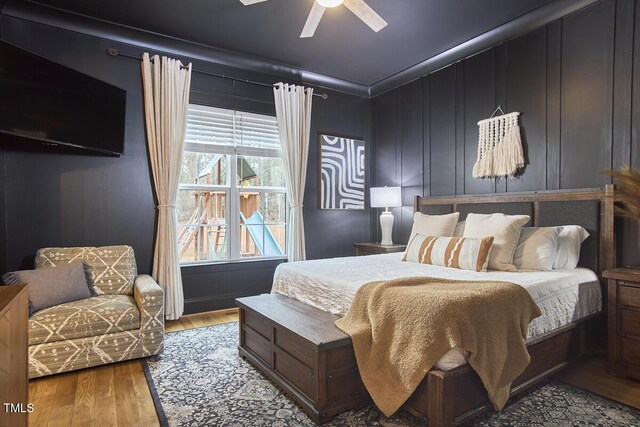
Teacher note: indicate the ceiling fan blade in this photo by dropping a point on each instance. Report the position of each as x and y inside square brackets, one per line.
[364, 12]
[248, 2]
[312, 20]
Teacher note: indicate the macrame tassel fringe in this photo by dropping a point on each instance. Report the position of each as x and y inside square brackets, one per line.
[508, 156]
[484, 165]
[499, 147]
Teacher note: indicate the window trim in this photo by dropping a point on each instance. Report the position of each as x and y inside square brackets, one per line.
[204, 262]
[228, 149]
[233, 192]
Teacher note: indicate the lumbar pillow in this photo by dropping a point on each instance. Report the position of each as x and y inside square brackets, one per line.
[52, 286]
[505, 230]
[434, 225]
[454, 252]
[536, 248]
[569, 242]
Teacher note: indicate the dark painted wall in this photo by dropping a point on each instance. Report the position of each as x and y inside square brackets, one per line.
[74, 200]
[574, 82]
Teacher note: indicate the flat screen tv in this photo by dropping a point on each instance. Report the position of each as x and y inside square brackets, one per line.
[47, 102]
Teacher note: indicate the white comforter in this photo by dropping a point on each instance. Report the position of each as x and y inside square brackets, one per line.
[564, 296]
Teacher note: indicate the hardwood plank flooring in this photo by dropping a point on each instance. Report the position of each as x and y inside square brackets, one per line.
[126, 405]
[105, 391]
[83, 407]
[107, 396]
[200, 320]
[591, 375]
[42, 392]
[117, 395]
[146, 410]
[62, 407]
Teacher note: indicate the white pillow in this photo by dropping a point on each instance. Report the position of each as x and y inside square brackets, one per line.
[505, 230]
[459, 231]
[569, 241]
[434, 225]
[536, 248]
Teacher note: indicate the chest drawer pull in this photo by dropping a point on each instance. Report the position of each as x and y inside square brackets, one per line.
[623, 282]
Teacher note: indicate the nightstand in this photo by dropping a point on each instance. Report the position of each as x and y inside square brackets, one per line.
[623, 356]
[377, 248]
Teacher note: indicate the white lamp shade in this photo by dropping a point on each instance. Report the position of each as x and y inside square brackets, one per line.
[386, 197]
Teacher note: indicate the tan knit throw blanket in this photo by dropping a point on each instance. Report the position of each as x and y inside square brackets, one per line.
[401, 328]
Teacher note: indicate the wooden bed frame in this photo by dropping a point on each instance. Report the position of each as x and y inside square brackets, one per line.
[451, 397]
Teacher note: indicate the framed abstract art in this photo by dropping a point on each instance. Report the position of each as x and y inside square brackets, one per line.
[342, 172]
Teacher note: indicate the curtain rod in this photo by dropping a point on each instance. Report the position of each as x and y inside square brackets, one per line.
[114, 52]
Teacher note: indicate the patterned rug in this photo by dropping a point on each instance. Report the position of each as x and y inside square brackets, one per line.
[200, 380]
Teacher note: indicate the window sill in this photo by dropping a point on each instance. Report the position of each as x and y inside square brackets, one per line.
[231, 261]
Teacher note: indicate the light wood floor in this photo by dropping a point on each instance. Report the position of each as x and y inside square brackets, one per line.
[117, 395]
[591, 375]
[112, 395]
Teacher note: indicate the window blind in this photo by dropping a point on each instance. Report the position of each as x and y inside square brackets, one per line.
[217, 126]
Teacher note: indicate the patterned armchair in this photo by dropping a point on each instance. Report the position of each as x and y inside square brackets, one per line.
[123, 320]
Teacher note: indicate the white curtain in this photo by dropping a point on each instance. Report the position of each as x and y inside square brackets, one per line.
[293, 112]
[166, 84]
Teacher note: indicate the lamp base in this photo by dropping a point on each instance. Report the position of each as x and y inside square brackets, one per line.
[386, 224]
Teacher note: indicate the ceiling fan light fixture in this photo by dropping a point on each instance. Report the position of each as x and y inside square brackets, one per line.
[329, 3]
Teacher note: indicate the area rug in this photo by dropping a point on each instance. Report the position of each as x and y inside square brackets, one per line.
[200, 380]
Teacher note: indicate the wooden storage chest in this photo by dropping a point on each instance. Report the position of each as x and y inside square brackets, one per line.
[300, 349]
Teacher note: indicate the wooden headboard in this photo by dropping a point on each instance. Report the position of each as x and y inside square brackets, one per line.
[592, 208]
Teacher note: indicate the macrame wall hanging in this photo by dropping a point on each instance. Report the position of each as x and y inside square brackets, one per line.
[499, 146]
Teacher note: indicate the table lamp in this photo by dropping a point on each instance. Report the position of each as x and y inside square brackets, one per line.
[386, 197]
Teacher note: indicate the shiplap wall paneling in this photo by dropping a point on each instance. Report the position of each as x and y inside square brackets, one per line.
[553, 125]
[442, 128]
[587, 96]
[634, 147]
[386, 122]
[576, 82]
[500, 67]
[623, 82]
[479, 103]
[526, 81]
[631, 231]
[411, 144]
[460, 130]
[426, 136]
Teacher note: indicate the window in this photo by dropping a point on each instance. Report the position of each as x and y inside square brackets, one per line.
[231, 199]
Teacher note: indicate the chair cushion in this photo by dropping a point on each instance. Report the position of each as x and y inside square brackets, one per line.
[89, 317]
[112, 269]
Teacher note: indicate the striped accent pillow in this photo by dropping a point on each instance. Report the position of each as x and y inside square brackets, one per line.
[464, 253]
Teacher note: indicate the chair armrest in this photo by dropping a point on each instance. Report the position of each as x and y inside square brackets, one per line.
[149, 297]
[147, 292]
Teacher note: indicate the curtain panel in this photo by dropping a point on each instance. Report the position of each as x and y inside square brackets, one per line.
[166, 84]
[293, 113]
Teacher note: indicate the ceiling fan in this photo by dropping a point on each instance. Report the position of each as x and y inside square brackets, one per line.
[359, 8]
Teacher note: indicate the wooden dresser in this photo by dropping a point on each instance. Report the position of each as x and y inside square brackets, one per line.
[14, 378]
[623, 358]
